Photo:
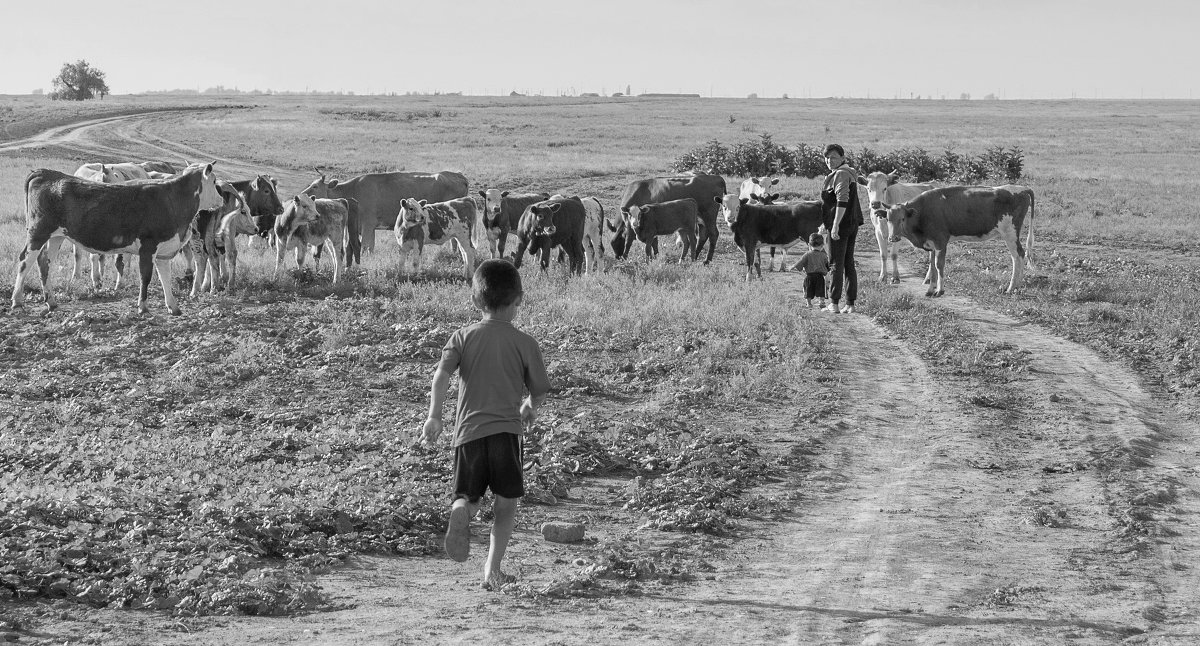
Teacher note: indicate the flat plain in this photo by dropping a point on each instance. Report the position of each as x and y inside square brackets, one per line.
[981, 467]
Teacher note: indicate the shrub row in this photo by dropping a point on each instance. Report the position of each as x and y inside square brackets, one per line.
[765, 157]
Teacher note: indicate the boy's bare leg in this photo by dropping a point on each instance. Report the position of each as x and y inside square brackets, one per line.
[505, 512]
[458, 529]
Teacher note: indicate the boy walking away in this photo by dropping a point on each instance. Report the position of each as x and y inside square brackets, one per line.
[815, 264]
[496, 364]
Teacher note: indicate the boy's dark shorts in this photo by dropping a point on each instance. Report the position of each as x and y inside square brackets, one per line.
[814, 284]
[492, 461]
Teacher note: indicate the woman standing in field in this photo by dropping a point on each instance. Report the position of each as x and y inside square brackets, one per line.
[842, 216]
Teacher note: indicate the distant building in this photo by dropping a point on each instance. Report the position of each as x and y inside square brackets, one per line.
[618, 94]
[752, 95]
[37, 92]
[515, 93]
[589, 94]
[661, 95]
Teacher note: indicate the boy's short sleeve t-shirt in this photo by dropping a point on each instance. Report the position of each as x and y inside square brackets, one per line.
[497, 364]
[813, 261]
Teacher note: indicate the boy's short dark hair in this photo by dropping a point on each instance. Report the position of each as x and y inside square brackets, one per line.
[816, 240]
[835, 148]
[496, 284]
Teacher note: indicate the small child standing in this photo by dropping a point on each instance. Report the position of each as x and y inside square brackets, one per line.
[815, 264]
[496, 364]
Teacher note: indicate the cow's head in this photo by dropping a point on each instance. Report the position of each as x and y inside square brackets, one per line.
[635, 217]
[263, 196]
[876, 184]
[239, 219]
[299, 211]
[756, 186]
[493, 198]
[900, 219]
[412, 214]
[320, 187]
[210, 197]
[730, 206]
[543, 218]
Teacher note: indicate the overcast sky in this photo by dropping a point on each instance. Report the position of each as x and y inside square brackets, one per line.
[1013, 48]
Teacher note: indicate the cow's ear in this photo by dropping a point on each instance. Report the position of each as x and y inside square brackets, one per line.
[774, 181]
[861, 180]
[422, 202]
[504, 194]
[555, 207]
[254, 184]
[754, 180]
[483, 194]
[893, 177]
[909, 212]
[773, 197]
[744, 201]
[719, 199]
[332, 183]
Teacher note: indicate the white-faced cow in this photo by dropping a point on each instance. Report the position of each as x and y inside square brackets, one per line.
[152, 219]
[379, 195]
[233, 224]
[106, 174]
[207, 246]
[501, 212]
[883, 192]
[934, 218]
[423, 223]
[557, 222]
[776, 225]
[666, 218]
[756, 186]
[307, 222]
[702, 188]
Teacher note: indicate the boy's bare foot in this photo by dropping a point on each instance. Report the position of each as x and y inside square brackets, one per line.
[458, 533]
[497, 580]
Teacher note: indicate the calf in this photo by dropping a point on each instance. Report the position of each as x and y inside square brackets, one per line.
[502, 212]
[420, 223]
[206, 244]
[558, 221]
[676, 216]
[934, 218]
[778, 225]
[884, 191]
[233, 224]
[308, 222]
[151, 219]
[593, 227]
[756, 186]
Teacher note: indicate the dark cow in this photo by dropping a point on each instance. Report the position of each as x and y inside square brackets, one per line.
[777, 225]
[934, 218]
[558, 221]
[379, 195]
[702, 188]
[149, 218]
[501, 212]
[665, 218]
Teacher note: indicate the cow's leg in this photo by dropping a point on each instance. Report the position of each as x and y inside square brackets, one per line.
[279, 249]
[468, 255]
[712, 234]
[231, 262]
[368, 234]
[164, 276]
[881, 238]
[940, 263]
[119, 263]
[97, 264]
[1018, 263]
[338, 254]
[893, 249]
[146, 267]
[199, 273]
[23, 260]
[49, 251]
[301, 253]
[929, 272]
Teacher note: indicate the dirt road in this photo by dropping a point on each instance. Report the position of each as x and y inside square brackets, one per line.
[923, 513]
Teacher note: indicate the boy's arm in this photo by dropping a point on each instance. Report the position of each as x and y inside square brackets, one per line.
[538, 384]
[437, 397]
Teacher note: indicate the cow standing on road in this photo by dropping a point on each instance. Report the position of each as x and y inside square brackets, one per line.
[884, 191]
[934, 218]
[152, 219]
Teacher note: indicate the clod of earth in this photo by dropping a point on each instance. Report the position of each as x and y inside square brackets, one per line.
[558, 532]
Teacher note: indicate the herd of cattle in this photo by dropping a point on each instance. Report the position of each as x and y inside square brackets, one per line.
[156, 211]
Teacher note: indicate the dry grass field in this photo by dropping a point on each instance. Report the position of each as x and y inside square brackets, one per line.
[215, 463]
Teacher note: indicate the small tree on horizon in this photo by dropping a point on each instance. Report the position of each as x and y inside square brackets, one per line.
[78, 81]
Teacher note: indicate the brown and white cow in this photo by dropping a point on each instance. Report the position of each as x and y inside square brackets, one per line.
[934, 218]
[233, 224]
[756, 186]
[207, 246]
[775, 225]
[379, 195]
[665, 218]
[423, 223]
[501, 212]
[151, 219]
[884, 191]
[307, 222]
[106, 174]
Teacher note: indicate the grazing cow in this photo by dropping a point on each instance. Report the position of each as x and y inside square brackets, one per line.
[884, 191]
[106, 174]
[778, 225]
[151, 219]
[206, 244]
[934, 218]
[556, 222]
[501, 212]
[702, 188]
[420, 223]
[665, 218]
[379, 195]
[307, 222]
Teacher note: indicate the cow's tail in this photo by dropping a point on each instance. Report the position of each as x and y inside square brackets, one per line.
[1029, 237]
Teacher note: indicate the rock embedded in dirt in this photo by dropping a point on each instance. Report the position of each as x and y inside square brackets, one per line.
[558, 532]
